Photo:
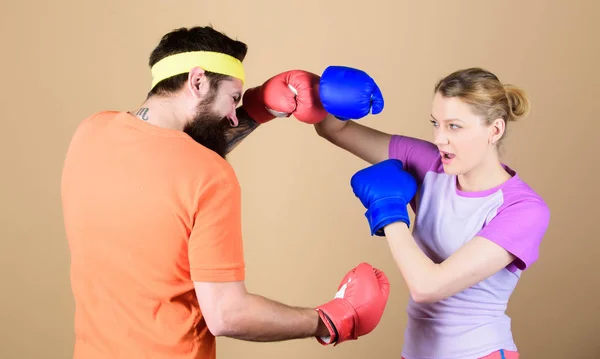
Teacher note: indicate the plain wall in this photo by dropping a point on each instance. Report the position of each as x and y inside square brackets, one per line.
[64, 60]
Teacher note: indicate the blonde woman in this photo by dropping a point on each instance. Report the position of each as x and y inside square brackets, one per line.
[478, 225]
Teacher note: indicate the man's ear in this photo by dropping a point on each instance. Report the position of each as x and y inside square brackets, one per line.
[197, 82]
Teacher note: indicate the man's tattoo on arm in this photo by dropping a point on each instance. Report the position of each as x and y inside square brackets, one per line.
[245, 126]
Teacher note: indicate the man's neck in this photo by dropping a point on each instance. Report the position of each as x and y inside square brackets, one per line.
[161, 112]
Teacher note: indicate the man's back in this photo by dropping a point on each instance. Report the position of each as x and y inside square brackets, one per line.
[147, 212]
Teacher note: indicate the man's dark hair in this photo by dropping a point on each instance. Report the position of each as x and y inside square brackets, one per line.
[199, 38]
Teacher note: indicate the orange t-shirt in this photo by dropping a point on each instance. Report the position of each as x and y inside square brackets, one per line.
[147, 211]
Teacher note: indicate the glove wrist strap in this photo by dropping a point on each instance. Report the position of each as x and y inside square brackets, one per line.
[333, 333]
[341, 319]
[386, 211]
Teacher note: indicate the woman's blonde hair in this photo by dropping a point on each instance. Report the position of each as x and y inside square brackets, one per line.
[489, 98]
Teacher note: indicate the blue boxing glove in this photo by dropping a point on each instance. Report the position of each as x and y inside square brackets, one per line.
[385, 190]
[349, 93]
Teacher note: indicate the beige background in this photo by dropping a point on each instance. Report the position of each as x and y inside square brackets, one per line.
[63, 60]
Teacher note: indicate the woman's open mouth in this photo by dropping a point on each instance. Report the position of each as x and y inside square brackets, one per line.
[447, 157]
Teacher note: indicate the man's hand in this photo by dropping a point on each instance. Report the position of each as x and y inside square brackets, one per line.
[289, 93]
[358, 305]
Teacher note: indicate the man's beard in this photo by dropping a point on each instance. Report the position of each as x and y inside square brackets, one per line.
[209, 129]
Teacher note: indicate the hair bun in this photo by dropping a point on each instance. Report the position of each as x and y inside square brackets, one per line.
[518, 102]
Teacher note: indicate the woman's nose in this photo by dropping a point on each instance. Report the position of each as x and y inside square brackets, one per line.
[440, 138]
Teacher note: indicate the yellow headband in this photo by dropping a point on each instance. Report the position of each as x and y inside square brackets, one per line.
[210, 61]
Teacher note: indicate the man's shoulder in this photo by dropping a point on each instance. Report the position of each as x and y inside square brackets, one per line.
[102, 115]
[96, 118]
[205, 164]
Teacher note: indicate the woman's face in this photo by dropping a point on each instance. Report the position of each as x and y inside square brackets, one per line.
[463, 138]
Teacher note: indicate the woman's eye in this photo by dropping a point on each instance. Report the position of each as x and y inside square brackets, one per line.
[453, 126]
[433, 123]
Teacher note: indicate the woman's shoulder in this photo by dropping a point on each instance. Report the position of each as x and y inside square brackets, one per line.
[517, 189]
[522, 202]
[519, 224]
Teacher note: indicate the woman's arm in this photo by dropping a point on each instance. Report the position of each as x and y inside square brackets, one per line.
[430, 282]
[367, 143]
[510, 239]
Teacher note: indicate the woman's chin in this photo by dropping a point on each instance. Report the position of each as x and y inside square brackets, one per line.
[450, 168]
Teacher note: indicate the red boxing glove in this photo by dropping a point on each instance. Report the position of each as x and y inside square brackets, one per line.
[358, 305]
[293, 92]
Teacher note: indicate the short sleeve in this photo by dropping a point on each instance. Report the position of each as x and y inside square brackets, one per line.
[418, 156]
[215, 247]
[519, 228]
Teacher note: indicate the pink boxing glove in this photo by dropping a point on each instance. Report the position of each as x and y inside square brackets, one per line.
[294, 92]
[358, 305]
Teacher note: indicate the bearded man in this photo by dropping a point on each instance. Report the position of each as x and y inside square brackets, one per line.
[152, 213]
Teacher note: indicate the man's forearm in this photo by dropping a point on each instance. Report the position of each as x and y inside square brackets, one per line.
[263, 320]
[245, 126]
